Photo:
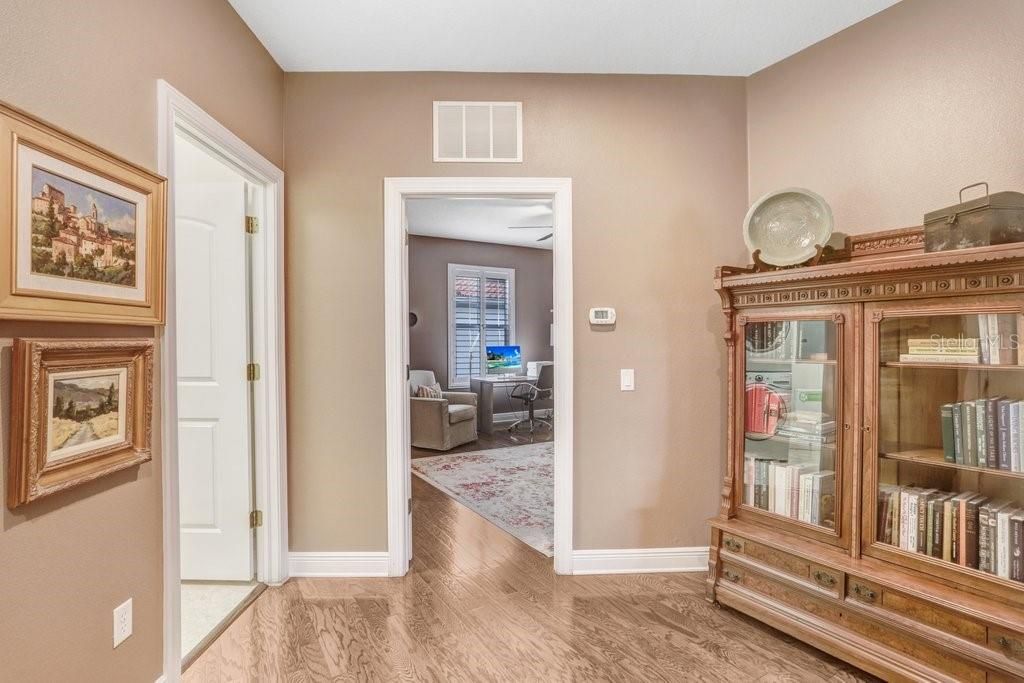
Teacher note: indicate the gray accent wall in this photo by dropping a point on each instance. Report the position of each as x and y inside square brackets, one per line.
[428, 299]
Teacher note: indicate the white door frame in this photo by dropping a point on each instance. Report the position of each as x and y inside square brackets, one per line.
[178, 114]
[396, 335]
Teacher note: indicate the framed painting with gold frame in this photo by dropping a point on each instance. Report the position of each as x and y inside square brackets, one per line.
[80, 409]
[83, 230]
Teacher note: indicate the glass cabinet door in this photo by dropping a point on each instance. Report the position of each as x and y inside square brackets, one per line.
[947, 485]
[792, 439]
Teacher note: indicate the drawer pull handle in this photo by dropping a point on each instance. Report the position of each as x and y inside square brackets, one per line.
[824, 578]
[731, 575]
[733, 545]
[864, 593]
[1014, 646]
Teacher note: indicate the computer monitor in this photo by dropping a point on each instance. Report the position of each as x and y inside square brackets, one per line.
[504, 360]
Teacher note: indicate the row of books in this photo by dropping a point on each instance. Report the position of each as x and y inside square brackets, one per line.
[967, 528]
[996, 344]
[984, 433]
[937, 349]
[798, 491]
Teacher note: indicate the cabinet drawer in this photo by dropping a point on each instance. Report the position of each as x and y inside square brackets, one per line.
[921, 611]
[759, 583]
[810, 573]
[790, 564]
[930, 615]
[836, 614]
[1007, 643]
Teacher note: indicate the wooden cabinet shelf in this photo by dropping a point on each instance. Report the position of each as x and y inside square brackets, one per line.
[808, 530]
[935, 457]
[953, 366]
[790, 361]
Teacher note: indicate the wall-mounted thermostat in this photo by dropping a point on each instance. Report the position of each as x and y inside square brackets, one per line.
[602, 316]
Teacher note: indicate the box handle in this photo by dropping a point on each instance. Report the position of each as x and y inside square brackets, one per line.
[955, 215]
[967, 187]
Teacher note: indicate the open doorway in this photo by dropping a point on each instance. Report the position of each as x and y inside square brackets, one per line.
[551, 200]
[225, 523]
[481, 353]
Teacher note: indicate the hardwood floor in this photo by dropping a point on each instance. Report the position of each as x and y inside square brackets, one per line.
[478, 605]
[501, 438]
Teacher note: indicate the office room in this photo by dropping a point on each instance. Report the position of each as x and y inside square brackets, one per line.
[481, 350]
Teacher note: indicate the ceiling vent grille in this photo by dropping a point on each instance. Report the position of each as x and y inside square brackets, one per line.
[478, 131]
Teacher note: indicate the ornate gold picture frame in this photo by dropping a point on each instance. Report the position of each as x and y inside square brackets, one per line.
[81, 409]
[82, 231]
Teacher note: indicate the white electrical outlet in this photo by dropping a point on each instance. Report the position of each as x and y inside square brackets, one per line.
[122, 621]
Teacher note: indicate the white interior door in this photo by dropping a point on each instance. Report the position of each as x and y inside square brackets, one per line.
[212, 333]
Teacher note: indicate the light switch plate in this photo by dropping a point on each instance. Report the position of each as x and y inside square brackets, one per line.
[627, 380]
[122, 622]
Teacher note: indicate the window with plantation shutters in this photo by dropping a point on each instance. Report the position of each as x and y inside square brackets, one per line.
[481, 313]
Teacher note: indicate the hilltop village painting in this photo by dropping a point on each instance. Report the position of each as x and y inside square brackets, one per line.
[81, 233]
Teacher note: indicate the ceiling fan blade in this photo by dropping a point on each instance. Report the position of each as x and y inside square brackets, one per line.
[546, 237]
[529, 227]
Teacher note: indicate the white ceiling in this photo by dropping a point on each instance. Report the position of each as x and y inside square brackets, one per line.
[479, 219]
[710, 37]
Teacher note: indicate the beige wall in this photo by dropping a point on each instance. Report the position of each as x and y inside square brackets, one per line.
[659, 188]
[888, 119]
[428, 299]
[91, 68]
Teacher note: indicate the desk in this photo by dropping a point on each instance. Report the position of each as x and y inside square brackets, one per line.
[483, 387]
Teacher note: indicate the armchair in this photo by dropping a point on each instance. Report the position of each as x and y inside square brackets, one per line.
[440, 423]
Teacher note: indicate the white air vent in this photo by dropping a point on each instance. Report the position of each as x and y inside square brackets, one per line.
[478, 131]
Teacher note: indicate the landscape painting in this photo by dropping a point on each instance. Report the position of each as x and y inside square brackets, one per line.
[81, 233]
[85, 412]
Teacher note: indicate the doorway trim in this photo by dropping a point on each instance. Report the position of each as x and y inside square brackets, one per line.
[396, 335]
[178, 114]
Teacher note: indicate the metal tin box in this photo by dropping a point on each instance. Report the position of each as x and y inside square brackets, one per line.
[993, 219]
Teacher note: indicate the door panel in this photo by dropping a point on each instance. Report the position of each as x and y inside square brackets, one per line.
[794, 464]
[214, 443]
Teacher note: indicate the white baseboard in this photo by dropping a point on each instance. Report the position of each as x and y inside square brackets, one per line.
[543, 413]
[338, 564]
[640, 560]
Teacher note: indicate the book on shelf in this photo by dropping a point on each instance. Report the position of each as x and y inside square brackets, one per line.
[970, 413]
[985, 432]
[950, 358]
[948, 438]
[982, 408]
[958, 434]
[960, 346]
[1004, 550]
[1002, 430]
[969, 519]
[1016, 445]
[1017, 546]
[985, 351]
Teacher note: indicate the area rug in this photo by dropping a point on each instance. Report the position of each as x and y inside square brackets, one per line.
[511, 487]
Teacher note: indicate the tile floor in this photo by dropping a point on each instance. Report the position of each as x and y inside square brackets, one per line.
[204, 605]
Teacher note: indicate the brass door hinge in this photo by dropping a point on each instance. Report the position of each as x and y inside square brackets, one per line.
[255, 519]
[252, 225]
[252, 372]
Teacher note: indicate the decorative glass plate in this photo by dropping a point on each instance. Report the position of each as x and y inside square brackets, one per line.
[787, 226]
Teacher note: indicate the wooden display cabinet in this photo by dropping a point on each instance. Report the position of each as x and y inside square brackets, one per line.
[853, 515]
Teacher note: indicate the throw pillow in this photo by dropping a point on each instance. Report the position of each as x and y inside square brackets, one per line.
[433, 391]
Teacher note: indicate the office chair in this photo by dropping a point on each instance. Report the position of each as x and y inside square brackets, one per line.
[529, 394]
